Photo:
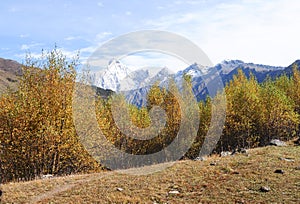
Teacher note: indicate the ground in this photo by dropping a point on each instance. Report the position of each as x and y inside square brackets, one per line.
[232, 179]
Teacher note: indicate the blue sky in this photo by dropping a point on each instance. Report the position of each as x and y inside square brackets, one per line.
[259, 31]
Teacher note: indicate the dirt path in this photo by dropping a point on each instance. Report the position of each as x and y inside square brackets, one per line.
[65, 187]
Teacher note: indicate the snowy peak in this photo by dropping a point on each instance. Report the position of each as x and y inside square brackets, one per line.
[112, 76]
[134, 80]
[141, 78]
[228, 65]
[163, 74]
[194, 70]
[118, 77]
[232, 62]
[135, 84]
[117, 69]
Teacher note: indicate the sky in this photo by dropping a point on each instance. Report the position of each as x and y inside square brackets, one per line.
[258, 31]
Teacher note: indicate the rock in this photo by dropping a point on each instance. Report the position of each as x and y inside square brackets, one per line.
[287, 159]
[120, 189]
[297, 168]
[277, 143]
[265, 189]
[225, 154]
[243, 151]
[234, 152]
[200, 159]
[297, 142]
[47, 176]
[239, 150]
[279, 171]
[213, 164]
[174, 192]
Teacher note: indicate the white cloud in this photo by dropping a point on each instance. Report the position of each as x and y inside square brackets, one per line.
[170, 51]
[89, 49]
[13, 9]
[25, 47]
[264, 32]
[100, 4]
[30, 46]
[24, 36]
[39, 55]
[32, 55]
[101, 36]
[154, 60]
[69, 54]
[190, 2]
[128, 13]
[69, 38]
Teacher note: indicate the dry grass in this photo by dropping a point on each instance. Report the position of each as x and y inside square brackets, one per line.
[234, 179]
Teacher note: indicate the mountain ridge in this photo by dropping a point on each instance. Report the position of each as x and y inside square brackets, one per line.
[137, 83]
[226, 70]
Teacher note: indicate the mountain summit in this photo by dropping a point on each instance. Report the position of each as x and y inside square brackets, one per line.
[112, 76]
[118, 77]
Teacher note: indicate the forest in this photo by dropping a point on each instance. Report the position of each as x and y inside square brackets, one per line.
[38, 135]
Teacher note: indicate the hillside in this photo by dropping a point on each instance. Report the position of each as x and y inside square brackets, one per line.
[9, 73]
[232, 179]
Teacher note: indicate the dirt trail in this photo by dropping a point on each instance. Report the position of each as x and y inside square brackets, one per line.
[133, 171]
[65, 187]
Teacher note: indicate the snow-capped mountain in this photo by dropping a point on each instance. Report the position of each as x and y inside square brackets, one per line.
[118, 77]
[193, 70]
[143, 77]
[112, 76]
[134, 80]
[228, 65]
[136, 84]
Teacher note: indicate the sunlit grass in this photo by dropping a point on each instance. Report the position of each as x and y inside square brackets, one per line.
[232, 179]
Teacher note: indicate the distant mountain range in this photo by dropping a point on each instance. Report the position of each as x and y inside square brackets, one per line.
[136, 84]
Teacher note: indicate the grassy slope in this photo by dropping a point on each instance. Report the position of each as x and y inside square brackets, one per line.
[234, 179]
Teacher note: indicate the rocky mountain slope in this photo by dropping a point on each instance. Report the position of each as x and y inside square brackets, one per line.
[10, 71]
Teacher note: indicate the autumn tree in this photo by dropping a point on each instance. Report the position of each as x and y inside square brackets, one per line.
[243, 112]
[278, 120]
[37, 131]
